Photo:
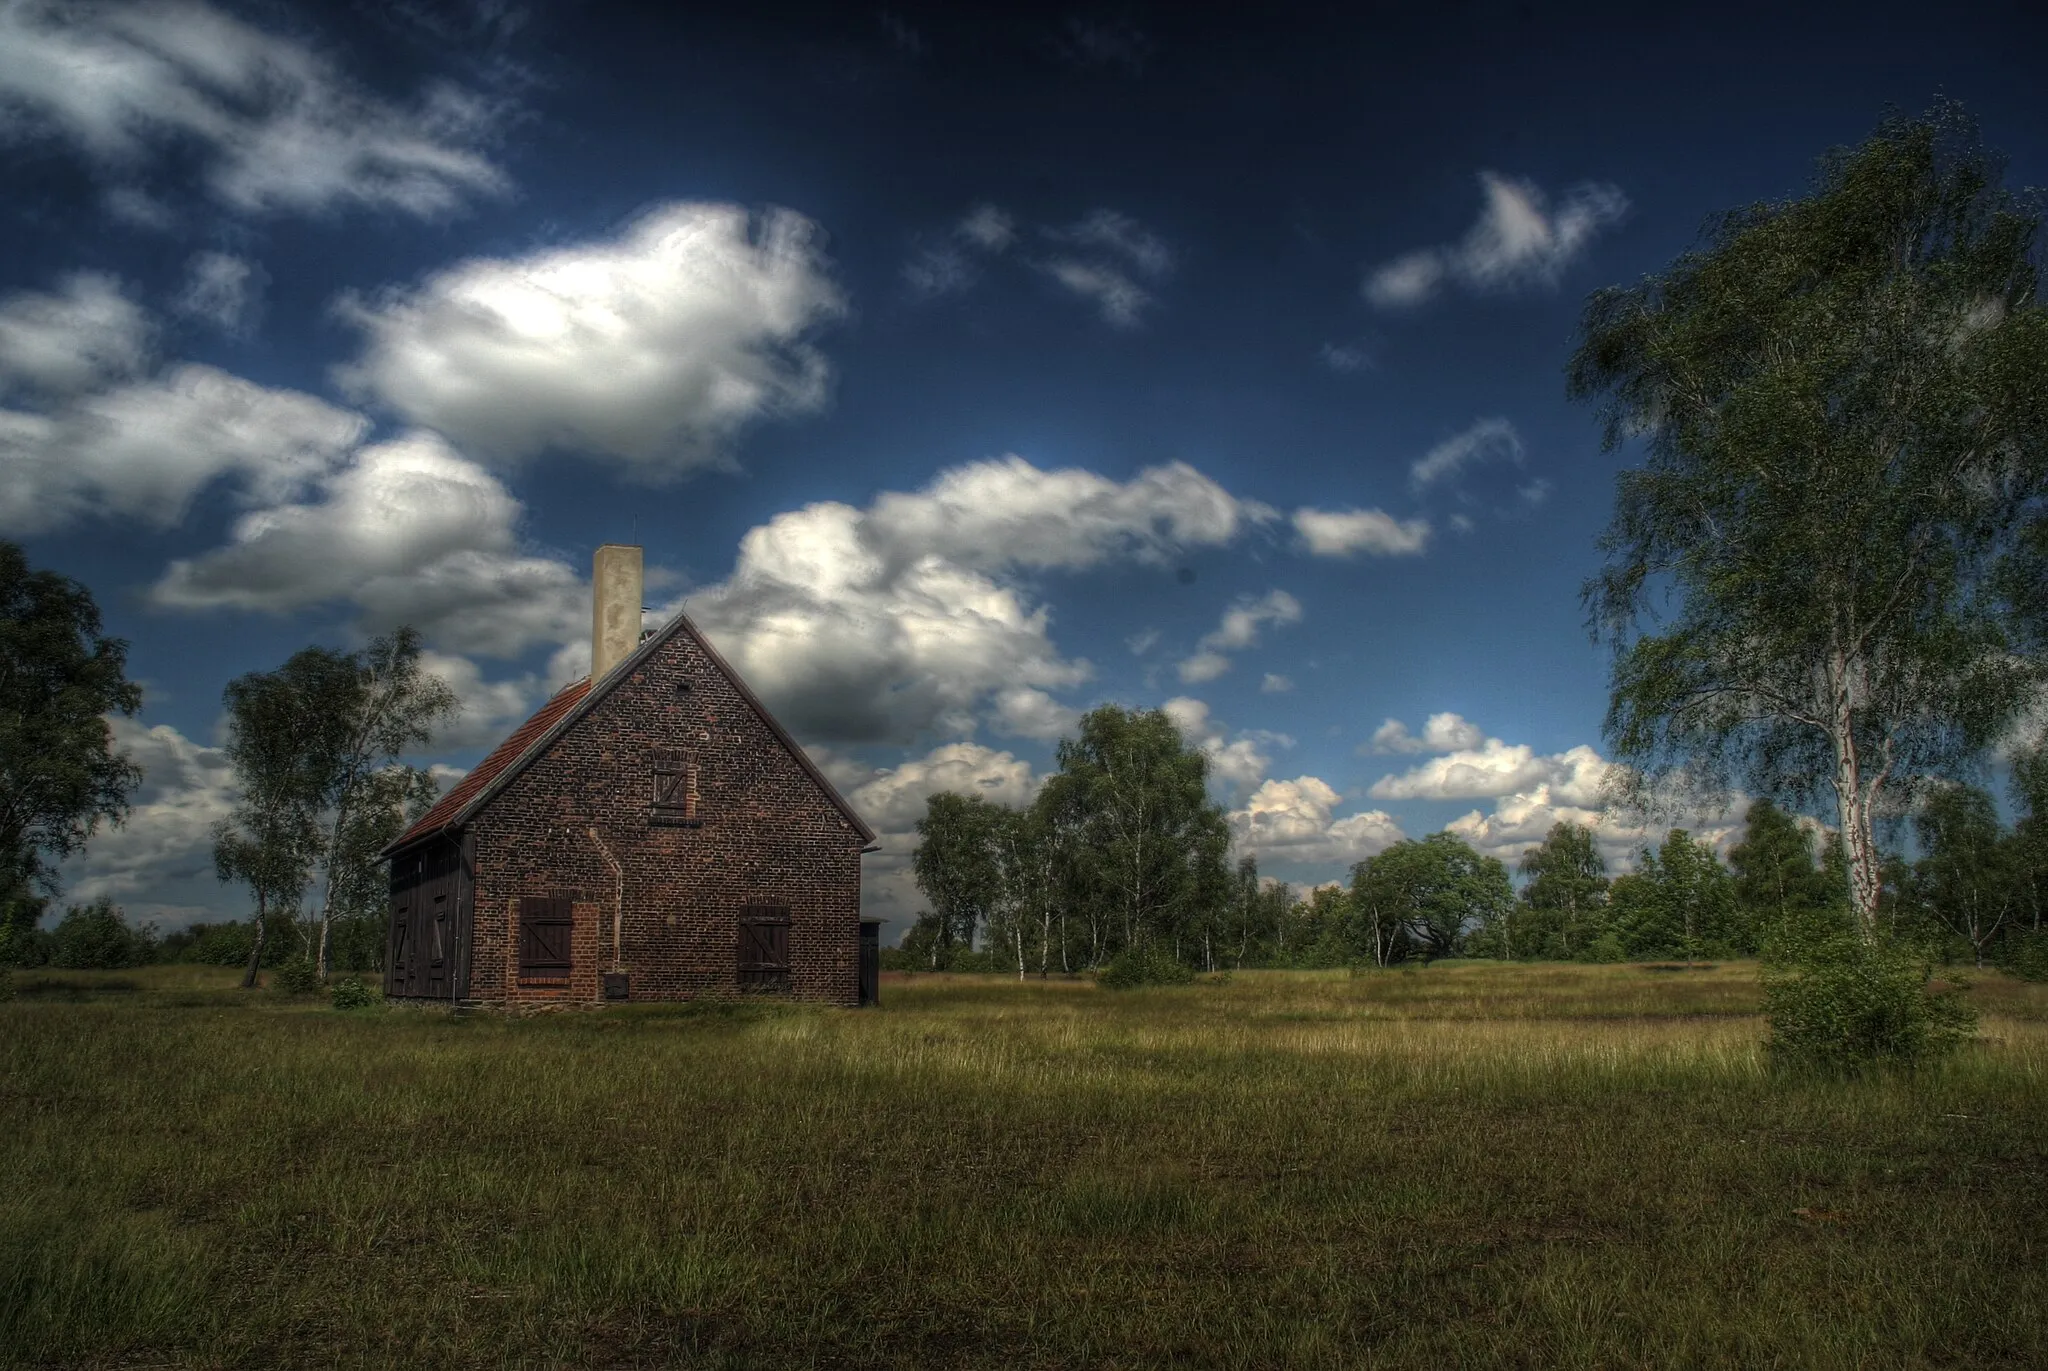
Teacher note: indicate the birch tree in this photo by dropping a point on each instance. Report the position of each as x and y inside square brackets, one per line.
[1808, 583]
[392, 707]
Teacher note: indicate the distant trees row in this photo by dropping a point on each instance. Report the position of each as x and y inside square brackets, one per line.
[1123, 855]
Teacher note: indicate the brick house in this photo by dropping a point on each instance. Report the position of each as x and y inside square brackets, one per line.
[651, 833]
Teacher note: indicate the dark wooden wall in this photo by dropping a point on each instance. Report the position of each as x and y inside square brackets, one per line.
[427, 954]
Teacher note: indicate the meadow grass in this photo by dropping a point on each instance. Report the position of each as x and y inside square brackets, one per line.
[1470, 1165]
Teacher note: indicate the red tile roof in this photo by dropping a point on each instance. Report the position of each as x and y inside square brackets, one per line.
[487, 770]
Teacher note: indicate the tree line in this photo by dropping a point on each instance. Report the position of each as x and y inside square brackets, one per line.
[1123, 856]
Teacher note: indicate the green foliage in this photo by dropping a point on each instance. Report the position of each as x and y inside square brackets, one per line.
[1122, 846]
[1423, 898]
[350, 993]
[2026, 954]
[98, 937]
[1564, 902]
[1138, 966]
[1846, 436]
[1774, 867]
[297, 977]
[59, 774]
[1839, 1001]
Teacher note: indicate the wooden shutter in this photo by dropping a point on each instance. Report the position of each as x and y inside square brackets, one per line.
[764, 947]
[545, 927]
[675, 788]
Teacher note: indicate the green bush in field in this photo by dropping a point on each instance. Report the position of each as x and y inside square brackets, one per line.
[96, 937]
[1142, 966]
[2026, 955]
[350, 993]
[1836, 1001]
[297, 978]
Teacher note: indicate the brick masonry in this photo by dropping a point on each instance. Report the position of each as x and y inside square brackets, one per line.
[765, 833]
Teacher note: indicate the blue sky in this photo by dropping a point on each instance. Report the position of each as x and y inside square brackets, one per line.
[957, 372]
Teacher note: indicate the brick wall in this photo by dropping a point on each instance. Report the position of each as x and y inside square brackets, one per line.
[766, 834]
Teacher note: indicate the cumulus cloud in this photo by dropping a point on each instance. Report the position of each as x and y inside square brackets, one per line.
[893, 800]
[1518, 241]
[223, 290]
[1006, 512]
[490, 709]
[144, 449]
[1444, 732]
[1239, 763]
[1023, 712]
[165, 845]
[1295, 821]
[1275, 684]
[86, 333]
[988, 227]
[655, 348]
[1239, 629]
[1121, 300]
[860, 625]
[1522, 820]
[410, 531]
[1343, 532]
[280, 128]
[1496, 768]
[1485, 440]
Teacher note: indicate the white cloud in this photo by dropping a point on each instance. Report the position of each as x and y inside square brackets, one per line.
[1496, 768]
[1517, 241]
[1142, 643]
[1346, 358]
[1118, 251]
[490, 709]
[280, 128]
[1119, 235]
[1444, 732]
[409, 531]
[1007, 512]
[1484, 440]
[883, 622]
[165, 845]
[1121, 300]
[893, 800]
[1239, 763]
[1522, 820]
[1275, 684]
[655, 348]
[86, 334]
[989, 228]
[1342, 532]
[1294, 821]
[939, 269]
[1239, 629]
[1023, 712]
[143, 450]
[223, 290]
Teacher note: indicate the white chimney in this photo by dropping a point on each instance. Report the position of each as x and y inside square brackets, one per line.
[615, 608]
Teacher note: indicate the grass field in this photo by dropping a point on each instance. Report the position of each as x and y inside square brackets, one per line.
[1465, 1166]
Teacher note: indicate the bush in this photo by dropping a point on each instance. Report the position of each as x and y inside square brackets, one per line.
[2026, 954]
[1838, 1002]
[297, 978]
[96, 937]
[1142, 966]
[350, 993]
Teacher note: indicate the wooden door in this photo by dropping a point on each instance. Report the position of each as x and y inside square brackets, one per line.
[764, 948]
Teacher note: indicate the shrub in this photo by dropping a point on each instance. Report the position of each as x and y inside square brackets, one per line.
[2026, 954]
[1838, 1002]
[350, 993]
[96, 937]
[297, 978]
[1142, 966]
